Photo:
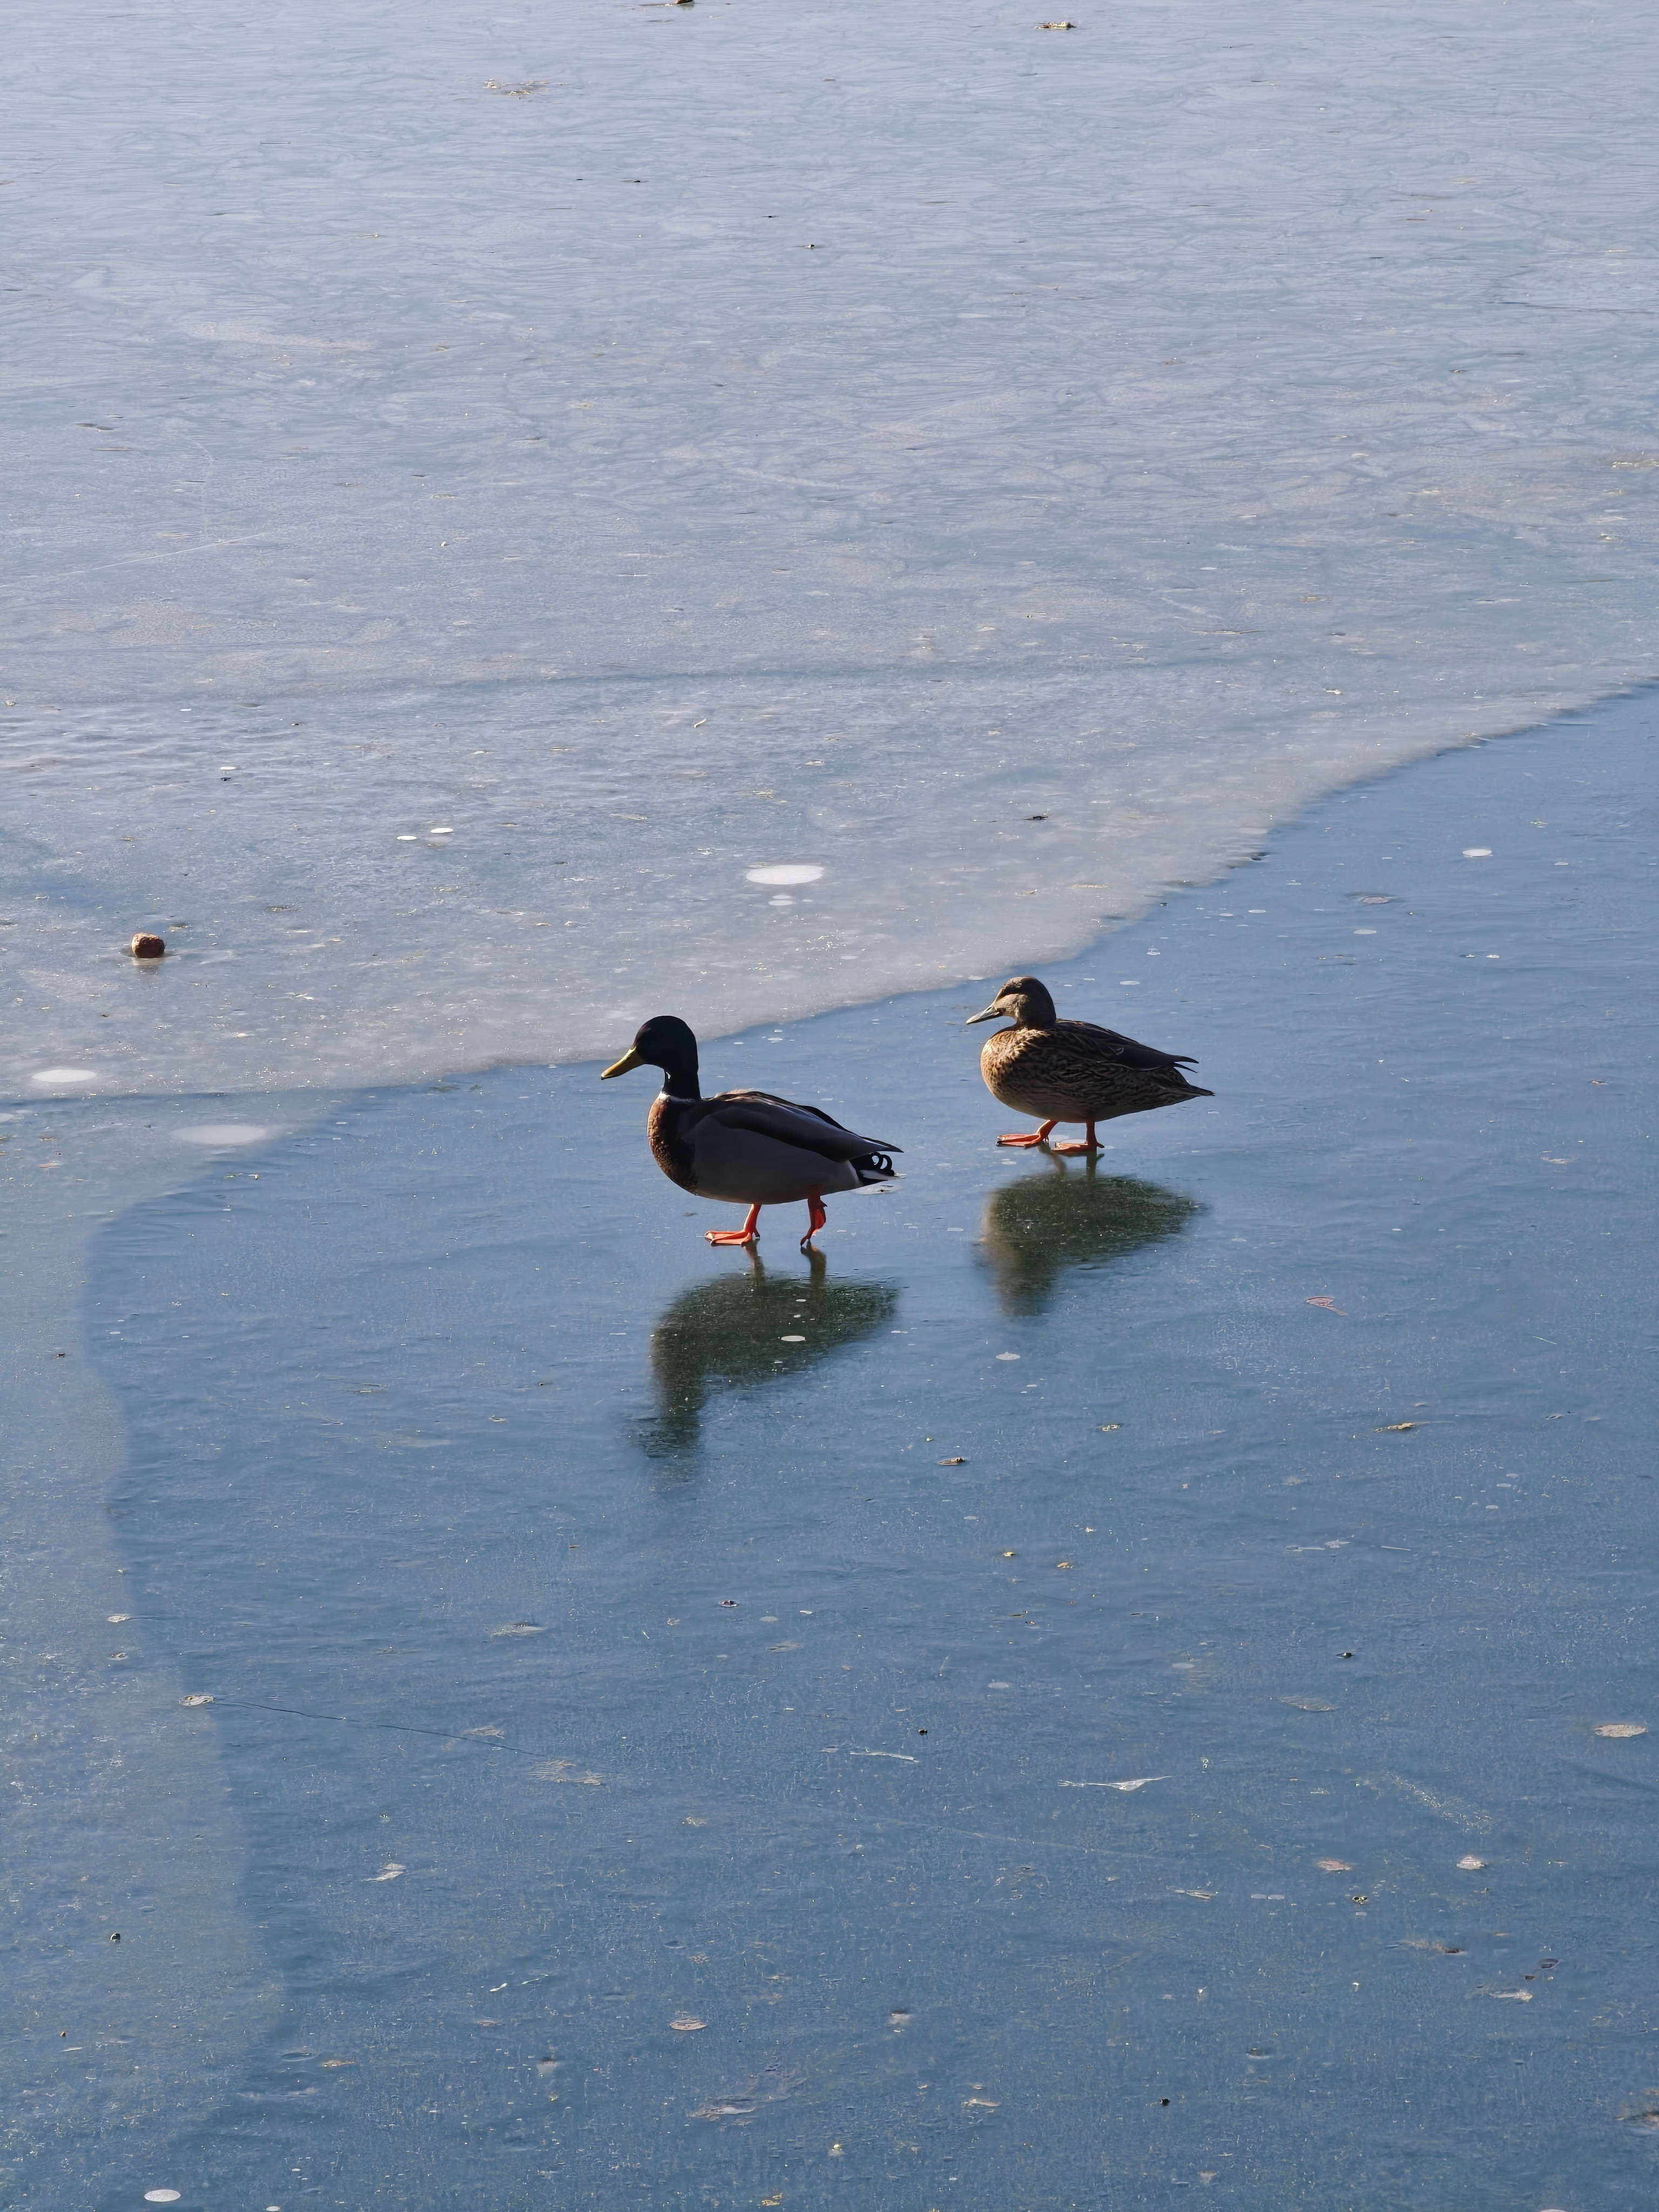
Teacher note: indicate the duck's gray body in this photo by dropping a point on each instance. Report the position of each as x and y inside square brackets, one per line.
[752, 1148]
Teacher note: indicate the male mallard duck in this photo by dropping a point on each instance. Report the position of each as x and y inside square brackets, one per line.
[1072, 1070]
[746, 1147]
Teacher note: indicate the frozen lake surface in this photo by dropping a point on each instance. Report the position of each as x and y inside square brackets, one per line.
[497, 489]
[1109, 1686]
[493, 479]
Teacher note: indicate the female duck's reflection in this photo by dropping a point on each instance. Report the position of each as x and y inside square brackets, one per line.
[744, 1329]
[1035, 1229]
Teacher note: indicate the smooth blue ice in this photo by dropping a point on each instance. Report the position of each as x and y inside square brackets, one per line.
[648, 442]
[1093, 1639]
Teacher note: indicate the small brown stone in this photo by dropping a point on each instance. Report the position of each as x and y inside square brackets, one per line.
[146, 947]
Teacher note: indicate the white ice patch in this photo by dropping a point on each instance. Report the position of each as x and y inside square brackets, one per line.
[217, 1135]
[1014, 562]
[64, 1078]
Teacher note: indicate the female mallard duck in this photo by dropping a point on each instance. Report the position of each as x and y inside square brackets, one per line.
[746, 1147]
[1072, 1070]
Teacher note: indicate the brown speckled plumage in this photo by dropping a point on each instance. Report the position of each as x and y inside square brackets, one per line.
[1066, 1071]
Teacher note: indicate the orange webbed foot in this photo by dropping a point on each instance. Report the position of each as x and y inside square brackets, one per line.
[816, 1218]
[746, 1235]
[1090, 1143]
[1023, 1138]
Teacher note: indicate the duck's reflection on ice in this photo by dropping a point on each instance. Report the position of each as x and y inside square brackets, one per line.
[1070, 1217]
[747, 1328]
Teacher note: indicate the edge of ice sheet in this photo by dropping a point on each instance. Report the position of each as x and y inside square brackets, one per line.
[311, 943]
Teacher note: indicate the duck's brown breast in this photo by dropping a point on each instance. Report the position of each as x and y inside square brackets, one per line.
[669, 1138]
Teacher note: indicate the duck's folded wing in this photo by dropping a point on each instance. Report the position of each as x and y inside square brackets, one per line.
[809, 1127]
[1131, 1054]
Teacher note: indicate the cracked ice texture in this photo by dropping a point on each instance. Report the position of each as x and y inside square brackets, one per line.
[829, 434]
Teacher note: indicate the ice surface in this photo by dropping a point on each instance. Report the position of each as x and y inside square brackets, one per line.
[570, 1631]
[488, 483]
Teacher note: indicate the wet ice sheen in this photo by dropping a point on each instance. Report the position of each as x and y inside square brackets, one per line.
[1172, 420]
[471, 1366]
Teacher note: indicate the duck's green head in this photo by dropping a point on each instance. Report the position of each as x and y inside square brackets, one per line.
[664, 1042]
[1022, 1000]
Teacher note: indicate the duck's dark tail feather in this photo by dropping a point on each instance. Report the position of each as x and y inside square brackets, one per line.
[875, 1167]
